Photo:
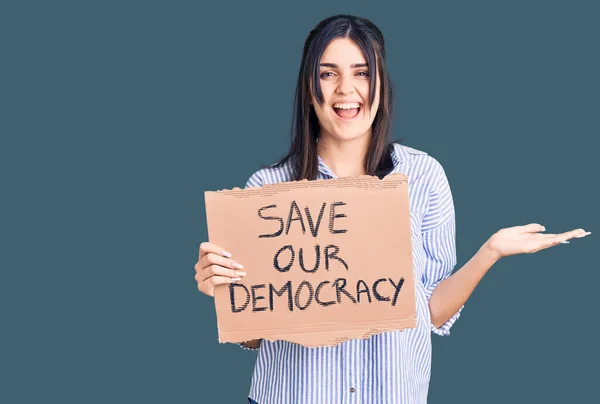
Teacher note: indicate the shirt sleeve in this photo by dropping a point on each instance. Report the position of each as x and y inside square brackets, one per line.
[439, 239]
[254, 181]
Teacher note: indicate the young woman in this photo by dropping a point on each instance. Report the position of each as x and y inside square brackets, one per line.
[341, 127]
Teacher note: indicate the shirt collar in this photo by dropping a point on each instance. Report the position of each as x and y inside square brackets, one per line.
[398, 156]
[323, 169]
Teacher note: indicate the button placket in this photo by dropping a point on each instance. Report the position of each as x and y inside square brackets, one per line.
[356, 371]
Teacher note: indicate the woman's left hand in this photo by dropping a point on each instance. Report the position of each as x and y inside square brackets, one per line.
[527, 239]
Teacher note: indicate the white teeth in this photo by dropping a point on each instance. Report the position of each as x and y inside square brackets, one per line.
[346, 106]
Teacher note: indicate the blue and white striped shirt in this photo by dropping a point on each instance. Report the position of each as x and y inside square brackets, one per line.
[392, 367]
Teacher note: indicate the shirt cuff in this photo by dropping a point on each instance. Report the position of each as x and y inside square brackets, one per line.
[246, 347]
[444, 329]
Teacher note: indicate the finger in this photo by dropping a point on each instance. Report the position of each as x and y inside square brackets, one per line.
[542, 248]
[570, 234]
[214, 259]
[587, 233]
[207, 247]
[221, 280]
[545, 243]
[559, 237]
[537, 240]
[532, 228]
[550, 240]
[213, 270]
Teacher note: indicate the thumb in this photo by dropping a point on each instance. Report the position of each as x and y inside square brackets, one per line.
[533, 228]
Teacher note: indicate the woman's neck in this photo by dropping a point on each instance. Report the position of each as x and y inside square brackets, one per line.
[346, 158]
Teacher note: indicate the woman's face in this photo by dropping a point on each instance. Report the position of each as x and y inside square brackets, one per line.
[344, 78]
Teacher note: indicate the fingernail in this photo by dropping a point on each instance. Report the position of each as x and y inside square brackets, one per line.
[226, 254]
[584, 234]
[235, 279]
[240, 273]
[237, 265]
[565, 242]
[543, 228]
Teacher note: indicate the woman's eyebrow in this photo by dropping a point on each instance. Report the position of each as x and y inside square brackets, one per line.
[354, 66]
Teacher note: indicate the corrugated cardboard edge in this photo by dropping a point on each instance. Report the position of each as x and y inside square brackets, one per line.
[359, 182]
[331, 338]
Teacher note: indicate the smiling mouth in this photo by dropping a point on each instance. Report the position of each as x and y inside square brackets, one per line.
[347, 113]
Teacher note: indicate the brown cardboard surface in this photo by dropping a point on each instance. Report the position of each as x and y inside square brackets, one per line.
[361, 229]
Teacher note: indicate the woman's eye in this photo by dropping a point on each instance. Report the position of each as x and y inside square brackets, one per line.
[331, 74]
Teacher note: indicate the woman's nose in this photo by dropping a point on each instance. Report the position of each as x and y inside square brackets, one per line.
[345, 86]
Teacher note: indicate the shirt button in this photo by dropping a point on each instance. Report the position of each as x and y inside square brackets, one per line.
[351, 389]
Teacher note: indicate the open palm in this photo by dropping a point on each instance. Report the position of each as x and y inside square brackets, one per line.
[528, 239]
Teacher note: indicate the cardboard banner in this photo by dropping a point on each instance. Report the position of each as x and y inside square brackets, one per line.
[326, 260]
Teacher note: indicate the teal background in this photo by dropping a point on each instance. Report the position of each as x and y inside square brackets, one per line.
[116, 116]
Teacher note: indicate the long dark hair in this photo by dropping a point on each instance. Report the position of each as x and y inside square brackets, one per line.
[305, 124]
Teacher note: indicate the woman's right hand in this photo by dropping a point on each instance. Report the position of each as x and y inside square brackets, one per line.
[215, 267]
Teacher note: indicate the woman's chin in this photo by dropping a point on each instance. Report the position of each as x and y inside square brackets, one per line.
[349, 134]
